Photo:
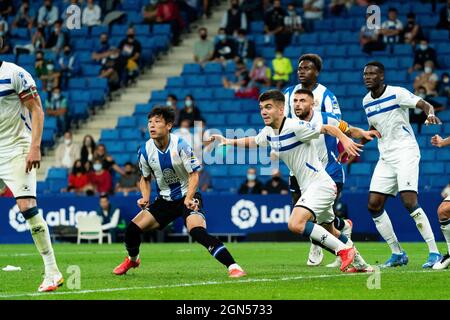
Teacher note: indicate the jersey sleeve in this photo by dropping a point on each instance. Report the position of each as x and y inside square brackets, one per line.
[406, 99]
[22, 81]
[305, 131]
[143, 161]
[331, 119]
[331, 104]
[287, 100]
[190, 161]
[261, 138]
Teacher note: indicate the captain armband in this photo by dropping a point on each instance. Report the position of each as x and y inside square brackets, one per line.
[30, 93]
[343, 126]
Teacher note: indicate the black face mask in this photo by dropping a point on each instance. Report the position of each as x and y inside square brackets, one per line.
[104, 42]
[131, 37]
[235, 6]
[128, 173]
[203, 36]
[276, 179]
[66, 52]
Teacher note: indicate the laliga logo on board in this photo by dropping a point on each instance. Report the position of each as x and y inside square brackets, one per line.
[245, 214]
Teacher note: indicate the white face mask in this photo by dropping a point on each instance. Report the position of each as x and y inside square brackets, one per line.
[446, 80]
[188, 103]
[168, 103]
[428, 69]
[67, 142]
[50, 67]
[97, 166]
[251, 177]
[259, 64]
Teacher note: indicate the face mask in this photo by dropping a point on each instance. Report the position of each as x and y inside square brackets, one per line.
[240, 40]
[97, 166]
[2, 33]
[168, 103]
[221, 37]
[423, 47]
[278, 56]
[291, 12]
[131, 37]
[446, 80]
[104, 42]
[259, 64]
[67, 52]
[203, 36]
[276, 179]
[251, 177]
[67, 142]
[188, 103]
[422, 95]
[56, 96]
[50, 67]
[428, 70]
[235, 6]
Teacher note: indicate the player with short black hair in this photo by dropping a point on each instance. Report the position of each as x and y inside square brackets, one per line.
[171, 161]
[387, 110]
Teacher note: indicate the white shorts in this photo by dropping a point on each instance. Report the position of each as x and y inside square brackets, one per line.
[447, 199]
[319, 199]
[12, 174]
[393, 177]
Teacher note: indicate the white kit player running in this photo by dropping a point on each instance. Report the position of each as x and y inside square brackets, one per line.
[387, 109]
[20, 155]
[291, 141]
[309, 67]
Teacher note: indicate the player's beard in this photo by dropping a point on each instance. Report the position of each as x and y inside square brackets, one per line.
[302, 115]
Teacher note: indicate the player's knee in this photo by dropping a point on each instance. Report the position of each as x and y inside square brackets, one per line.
[26, 204]
[375, 207]
[296, 227]
[444, 211]
[410, 204]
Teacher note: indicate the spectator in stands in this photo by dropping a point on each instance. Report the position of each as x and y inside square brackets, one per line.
[254, 9]
[87, 149]
[338, 6]
[56, 106]
[444, 17]
[129, 182]
[172, 101]
[244, 87]
[369, 39]
[6, 44]
[422, 54]
[91, 14]
[189, 8]
[6, 8]
[88, 166]
[37, 43]
[149, 11]
[427, 79]
[67, 152]
[203, 48]
[241, 73]
[103, 49]
[313, 11]
[413, 32]
[110, 216]
[392, 28]
[204, 180]
[49, 78]
[276, 185]
[251, 185]
[184, 132]
[444, 85]
[78, 179]
[111, 71]
[245, 47]
[190, 111]
[274, 25]
[130, 50]
[48, 14]
[58, 38]
[169, 12]
[108, 5]
[25, 16]
[293, 21]
[225, 48]
[100, 179]
[68, 65]
[416, 115]
[282, 70]
[234, 19]
[260, 74]
[106, 160]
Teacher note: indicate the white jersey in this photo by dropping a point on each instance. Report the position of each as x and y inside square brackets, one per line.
[171, 167]
[326, 146]
[294, 146]
[15, 121]
[389, 114]
[324, 100]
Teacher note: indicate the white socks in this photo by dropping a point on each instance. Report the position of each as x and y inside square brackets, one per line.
[134, 259]
[234, 266]
[384, 227]
[446, 231]
[321, 235]
[423, 225]
[41, 237]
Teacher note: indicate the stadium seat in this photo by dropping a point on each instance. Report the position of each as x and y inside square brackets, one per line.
[109, 134]
[433, 167]
[213, 67]
[161, 29]
[361, 168]
[126, 122]
[142, 108]
[175, 82]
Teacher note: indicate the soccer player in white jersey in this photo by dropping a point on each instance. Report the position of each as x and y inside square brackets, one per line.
[291, 140]
[21, 125]
[176, 169]
[326, 146]
[308, 71]
[387, 109]
[443, 211]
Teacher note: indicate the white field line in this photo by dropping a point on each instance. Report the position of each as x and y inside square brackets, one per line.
[199, 284]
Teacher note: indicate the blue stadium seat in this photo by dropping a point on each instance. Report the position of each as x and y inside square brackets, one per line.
[142, 108]
[198, 81]
[80, 96]
[443, 48]
[119, 30]
[98, 83]
[351, 77]
[57, 173]
[126, 122]
[343, 64]
[82, 32]
[214, 80]
[218, 170]
[130, 134]
[202, 94]
[437, 36]
[223, 93]
[55, 185]
[213, 67]
[257, 27]
[51, 123]
[192, 68]
[134, 17]
[214, 119]
[236, 119]
[115, 147]
[161, 29]
[96, 31]
[329, 77]
[433, 167]
[336, 51]
[308, 39]
[109, 134]
[25, 59]
[83, 44]
[427, 155]
[90, 70]
[81, 110]
[175, 82]
[431, 130]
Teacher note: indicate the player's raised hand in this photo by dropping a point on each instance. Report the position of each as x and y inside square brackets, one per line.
[432, 119]
[352, 148]
[436, 141]
[143, 203]
[33, 159]
[370, 135]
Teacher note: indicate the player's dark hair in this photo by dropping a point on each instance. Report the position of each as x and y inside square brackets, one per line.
[377, 64]
[312, 57]
[166, 113]
[275, 95]
[305, 91]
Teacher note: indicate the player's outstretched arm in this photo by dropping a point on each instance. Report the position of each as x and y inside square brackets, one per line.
[359, 133]
[437, 141]
[146, 188]
[247, 142]
[32, 102]
[189, 200]
[429, 111]
[350, 147]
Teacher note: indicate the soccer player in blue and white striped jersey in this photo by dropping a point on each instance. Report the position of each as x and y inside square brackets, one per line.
[171, 161]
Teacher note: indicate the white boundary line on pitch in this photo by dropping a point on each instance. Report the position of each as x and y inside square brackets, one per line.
[207, 283]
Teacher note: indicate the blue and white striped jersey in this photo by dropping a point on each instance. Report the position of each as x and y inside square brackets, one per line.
[170, 167]
[324, 100]
[389, 114]
[326, 146]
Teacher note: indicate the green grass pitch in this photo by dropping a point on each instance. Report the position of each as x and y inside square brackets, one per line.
[186, 271]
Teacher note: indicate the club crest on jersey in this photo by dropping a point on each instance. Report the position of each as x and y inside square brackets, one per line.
[169, 176]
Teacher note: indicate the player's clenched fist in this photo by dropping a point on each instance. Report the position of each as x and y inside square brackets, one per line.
[143, 203]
